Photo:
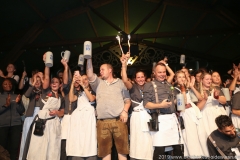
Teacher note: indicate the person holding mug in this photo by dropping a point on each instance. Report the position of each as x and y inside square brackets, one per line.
[45, 142]
[11, 109]
[190, 116]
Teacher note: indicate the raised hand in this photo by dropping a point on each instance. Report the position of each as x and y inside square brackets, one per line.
[80, 81]
[64, 62]
[44, 57]
[124, 58]
[18, 98]
[40, 74]
[1, 73]
[162, 61]
[24, 74]
[165, 59]
[236, 72]
[192, 81]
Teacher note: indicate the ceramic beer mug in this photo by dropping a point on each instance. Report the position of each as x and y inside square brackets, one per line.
[81, 60]
[66, 55]
[87, 49]
[49, 59]
[182, 59]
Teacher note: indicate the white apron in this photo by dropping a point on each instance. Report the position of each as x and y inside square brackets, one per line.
[82, 136]
[210, 112]
[65, 125]
[191, 117]
[48, 146]
[235, 120]
[27, 123]
[140, 138]
[207, 124]
[169, 132]
[228, 110]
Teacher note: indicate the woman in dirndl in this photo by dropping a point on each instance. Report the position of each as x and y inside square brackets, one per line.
[140, 138]
[46, 144]
[210, 107]
[33, 93]
[82, 135]
[190, 115]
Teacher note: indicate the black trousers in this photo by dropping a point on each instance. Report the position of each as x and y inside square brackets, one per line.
[178, 153]
[63, 155]
[10, 138]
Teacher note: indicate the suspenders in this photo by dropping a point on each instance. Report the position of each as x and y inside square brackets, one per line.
[218, 149]
[156, 95]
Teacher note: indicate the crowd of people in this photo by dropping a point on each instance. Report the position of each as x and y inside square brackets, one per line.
[82, 116]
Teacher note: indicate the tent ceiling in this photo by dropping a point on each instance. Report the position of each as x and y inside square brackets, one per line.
[205, 29]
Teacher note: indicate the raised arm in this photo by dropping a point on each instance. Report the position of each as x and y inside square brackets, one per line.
[46, 80]
[171, 73]
[90, 97]
[125, 80]
[1, 74]
[29, 91]
[21, 83]
[234, 81]
[89, 70]
[72, 96]
[65, 72]
[191, 85]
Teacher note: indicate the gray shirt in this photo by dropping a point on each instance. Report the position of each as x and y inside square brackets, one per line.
[110, 97]
[236, 101]
[136, 95]
[11, 115]
[163, 90]
[224, 143]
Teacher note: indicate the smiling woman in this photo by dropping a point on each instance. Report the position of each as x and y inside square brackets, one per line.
[47, 128]
[11, 69]
[11, 109]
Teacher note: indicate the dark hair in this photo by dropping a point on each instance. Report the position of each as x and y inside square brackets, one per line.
[201, 70]
[88, 84]
[135, 75]
[15, 67]
[223, 121]
[8, 79]
[35, 71]
[11, 80]
[60, 82]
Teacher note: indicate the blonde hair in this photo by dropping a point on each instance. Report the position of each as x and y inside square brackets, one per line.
[176, 74]
[201, 86]
[219, 76]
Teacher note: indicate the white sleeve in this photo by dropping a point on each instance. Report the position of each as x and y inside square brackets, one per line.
[16, 77]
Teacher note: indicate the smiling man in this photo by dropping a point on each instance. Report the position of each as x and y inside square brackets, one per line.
[224, 140]
[158, 96]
